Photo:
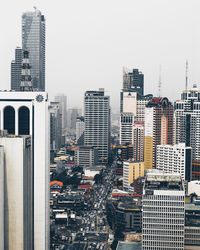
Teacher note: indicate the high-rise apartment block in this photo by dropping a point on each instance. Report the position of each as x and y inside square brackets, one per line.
[187, 125]
[126, 128]
[16, 68]
[158, 128]
[163, 212]
[33, 40]
[97, 122]
[175, 159]
[138, 142]
[26, 113]
[133, 81]
[19, 194]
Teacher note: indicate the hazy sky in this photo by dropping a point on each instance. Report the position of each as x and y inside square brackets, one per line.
[89, 41]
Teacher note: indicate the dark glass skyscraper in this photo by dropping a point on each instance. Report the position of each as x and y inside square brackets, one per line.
[33, 40]
[16, 70]
[133, 81]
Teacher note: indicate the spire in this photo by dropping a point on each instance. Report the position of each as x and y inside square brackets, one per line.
[26, 84]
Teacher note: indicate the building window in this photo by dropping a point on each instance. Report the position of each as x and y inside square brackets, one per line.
[24, 121]
[9, 119]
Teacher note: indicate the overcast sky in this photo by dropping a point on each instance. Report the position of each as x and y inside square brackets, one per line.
[89, 41]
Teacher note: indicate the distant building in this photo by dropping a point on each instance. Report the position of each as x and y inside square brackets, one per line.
[18, 195]
[163, 211]
[187, 125]
[138, 142]
[126, 128]
[131, 171]
[128, 102]
[86, 156]
[16, 68]
[33, 40]
[175, 159]
[97, 123]
[73, 114]
[158, 128]
[62, 100]
[55, 126]
[80, 128]
[133, 81]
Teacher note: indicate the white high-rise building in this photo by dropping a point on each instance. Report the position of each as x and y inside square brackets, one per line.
[2, 197]
[163, 212]
[18, 195]
[187, 125]
[126, 128]
[175, 159]
[97, 122]
[26, 113]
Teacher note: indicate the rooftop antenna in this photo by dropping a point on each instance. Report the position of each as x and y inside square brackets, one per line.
[186, 75]
[159, 82]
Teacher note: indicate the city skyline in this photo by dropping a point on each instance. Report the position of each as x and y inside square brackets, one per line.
[104, 28]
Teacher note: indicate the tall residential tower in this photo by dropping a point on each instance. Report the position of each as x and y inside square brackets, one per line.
[97, 122]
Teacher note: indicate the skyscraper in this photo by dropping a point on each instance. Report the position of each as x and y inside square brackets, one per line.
[187, 125]
[97, 122]
[158, 127]
[33, 40]
[62, 100]
[163, 212]
[18, 195]
[133, 81]
[26, 113]
[16, 68]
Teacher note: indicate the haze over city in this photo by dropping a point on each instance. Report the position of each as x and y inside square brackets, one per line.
[88, 43]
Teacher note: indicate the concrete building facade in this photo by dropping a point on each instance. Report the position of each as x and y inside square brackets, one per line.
[26, 113]
[97, 122]
[158, 128]
[18, 195]
[163, 212]
[175, 159]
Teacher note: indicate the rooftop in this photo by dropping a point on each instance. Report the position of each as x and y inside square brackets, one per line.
[129, 246]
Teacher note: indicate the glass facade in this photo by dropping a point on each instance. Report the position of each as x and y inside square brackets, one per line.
[33, 40]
